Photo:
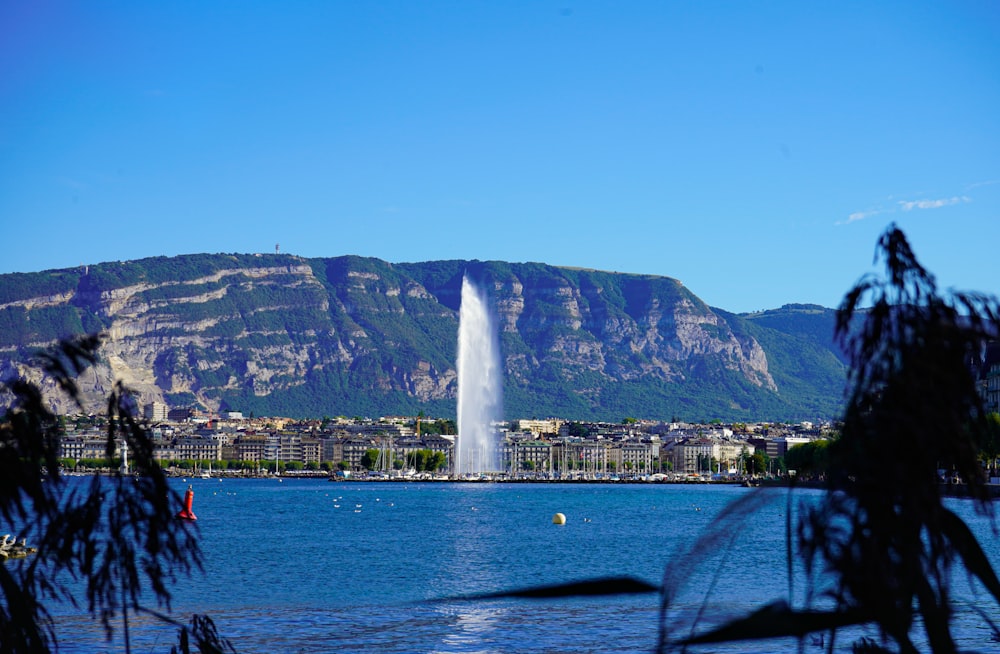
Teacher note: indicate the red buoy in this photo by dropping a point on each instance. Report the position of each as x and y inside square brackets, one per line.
[186, 513]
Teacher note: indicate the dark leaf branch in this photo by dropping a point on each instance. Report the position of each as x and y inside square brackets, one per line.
[583, 588]
[881, 529]
[115, 535]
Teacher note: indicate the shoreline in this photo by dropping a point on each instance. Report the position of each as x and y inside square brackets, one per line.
[959, 490]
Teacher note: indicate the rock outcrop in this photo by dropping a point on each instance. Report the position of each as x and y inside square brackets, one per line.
[350, 335]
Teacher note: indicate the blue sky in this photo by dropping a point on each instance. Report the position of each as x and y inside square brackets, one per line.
[755, 151]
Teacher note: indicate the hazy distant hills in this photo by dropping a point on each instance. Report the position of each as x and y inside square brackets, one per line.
[283, 335]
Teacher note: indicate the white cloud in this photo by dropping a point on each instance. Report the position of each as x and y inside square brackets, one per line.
[909, 205]
[861, 215]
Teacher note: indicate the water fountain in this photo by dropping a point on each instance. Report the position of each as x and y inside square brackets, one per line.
[480, 384]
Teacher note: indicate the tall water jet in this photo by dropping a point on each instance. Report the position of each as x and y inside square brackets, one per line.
[480, 384]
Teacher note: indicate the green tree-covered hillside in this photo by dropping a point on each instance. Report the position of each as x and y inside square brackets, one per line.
[279, 334]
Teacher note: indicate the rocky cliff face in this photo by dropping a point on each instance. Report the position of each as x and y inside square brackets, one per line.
[279, 334]
[664, 335]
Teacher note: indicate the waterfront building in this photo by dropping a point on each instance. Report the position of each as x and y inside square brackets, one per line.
[577, 457]
[702, 454]
[333, 448]
[693, 455]
[272, 448]
[155, 412]
[440, 443]
[353, 449]
[404, 450]
[526, 455]
[198, 448]
[71, 447]
[730, 453]
[788, 442]
[165, 451]
[85, 446]
[312, 450]
[284, 446]
[249, 446]
[539, 427]
[778, 446]
[636, 456]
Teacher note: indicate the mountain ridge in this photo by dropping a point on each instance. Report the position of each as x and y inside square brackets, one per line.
[280, 334]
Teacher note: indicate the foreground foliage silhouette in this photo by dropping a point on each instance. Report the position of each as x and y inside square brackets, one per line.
[103, 544]
[881, 531]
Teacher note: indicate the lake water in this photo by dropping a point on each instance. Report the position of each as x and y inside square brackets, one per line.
[314, 566]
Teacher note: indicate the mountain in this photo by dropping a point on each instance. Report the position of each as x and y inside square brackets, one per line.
[283, 335]
[809, 321]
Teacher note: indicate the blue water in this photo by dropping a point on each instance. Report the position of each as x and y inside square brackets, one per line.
[314, 566]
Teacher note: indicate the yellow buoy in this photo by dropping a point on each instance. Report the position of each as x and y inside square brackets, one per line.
[559, 519]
